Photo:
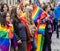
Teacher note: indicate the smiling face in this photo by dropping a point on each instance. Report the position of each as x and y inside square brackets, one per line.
[5, 8]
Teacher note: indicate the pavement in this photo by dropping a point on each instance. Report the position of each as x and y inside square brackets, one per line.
[55, 46]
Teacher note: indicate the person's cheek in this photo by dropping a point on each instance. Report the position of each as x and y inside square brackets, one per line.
[7, 19]
[6, 9]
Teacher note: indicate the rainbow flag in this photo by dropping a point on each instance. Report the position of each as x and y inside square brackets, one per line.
[4, 39]
[36, 13]
[40, 43]
[43, 15]
[41, 29]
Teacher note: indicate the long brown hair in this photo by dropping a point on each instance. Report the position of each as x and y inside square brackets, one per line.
[3, 18]
[14, 14]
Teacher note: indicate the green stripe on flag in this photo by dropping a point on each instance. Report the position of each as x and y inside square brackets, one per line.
[42, 42]
[3, 34]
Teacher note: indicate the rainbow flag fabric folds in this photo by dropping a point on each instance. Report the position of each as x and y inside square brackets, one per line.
[4, 39]
[40, 42]
[36, 13]
[41, 29]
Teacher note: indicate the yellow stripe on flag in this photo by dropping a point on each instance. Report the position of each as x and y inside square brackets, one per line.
[39, 42]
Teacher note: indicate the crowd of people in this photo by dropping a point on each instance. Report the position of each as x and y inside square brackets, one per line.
[19, 32]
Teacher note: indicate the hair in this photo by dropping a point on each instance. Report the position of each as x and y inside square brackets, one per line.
[0, 17]
[29, 16]
[3, 7]
[0, 6]
[45, 7]
[14, 14]
[3, 18]
[14, 11]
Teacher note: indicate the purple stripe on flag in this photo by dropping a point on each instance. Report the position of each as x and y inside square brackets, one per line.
[4, 48]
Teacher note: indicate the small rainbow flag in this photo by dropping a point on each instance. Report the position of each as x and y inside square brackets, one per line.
[36, 13]
[41, 29]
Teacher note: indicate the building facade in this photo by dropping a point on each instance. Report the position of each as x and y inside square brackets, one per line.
[9, 2]
[41, 1]
[14, 2]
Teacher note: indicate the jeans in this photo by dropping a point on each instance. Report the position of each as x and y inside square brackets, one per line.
[46, 44]
[34, 45]
[22, 46]
[57, 31]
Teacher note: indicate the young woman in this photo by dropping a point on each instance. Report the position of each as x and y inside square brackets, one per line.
[31, 28]
[6, 32]
[19, 30]
[5, 8]
[49, 29]
[47, 9]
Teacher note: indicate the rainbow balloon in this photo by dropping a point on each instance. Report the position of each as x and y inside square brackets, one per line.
[41, 29]
[36, 13]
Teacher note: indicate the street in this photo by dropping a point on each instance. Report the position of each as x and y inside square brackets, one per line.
[55, 46]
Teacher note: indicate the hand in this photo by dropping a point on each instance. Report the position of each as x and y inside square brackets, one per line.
[58, 23]
[16, 48]
[19, 41]
[38, 21]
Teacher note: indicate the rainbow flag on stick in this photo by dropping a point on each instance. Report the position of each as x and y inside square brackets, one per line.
[36, 13]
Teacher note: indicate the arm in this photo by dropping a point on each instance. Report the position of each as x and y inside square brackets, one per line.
[16, 30]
